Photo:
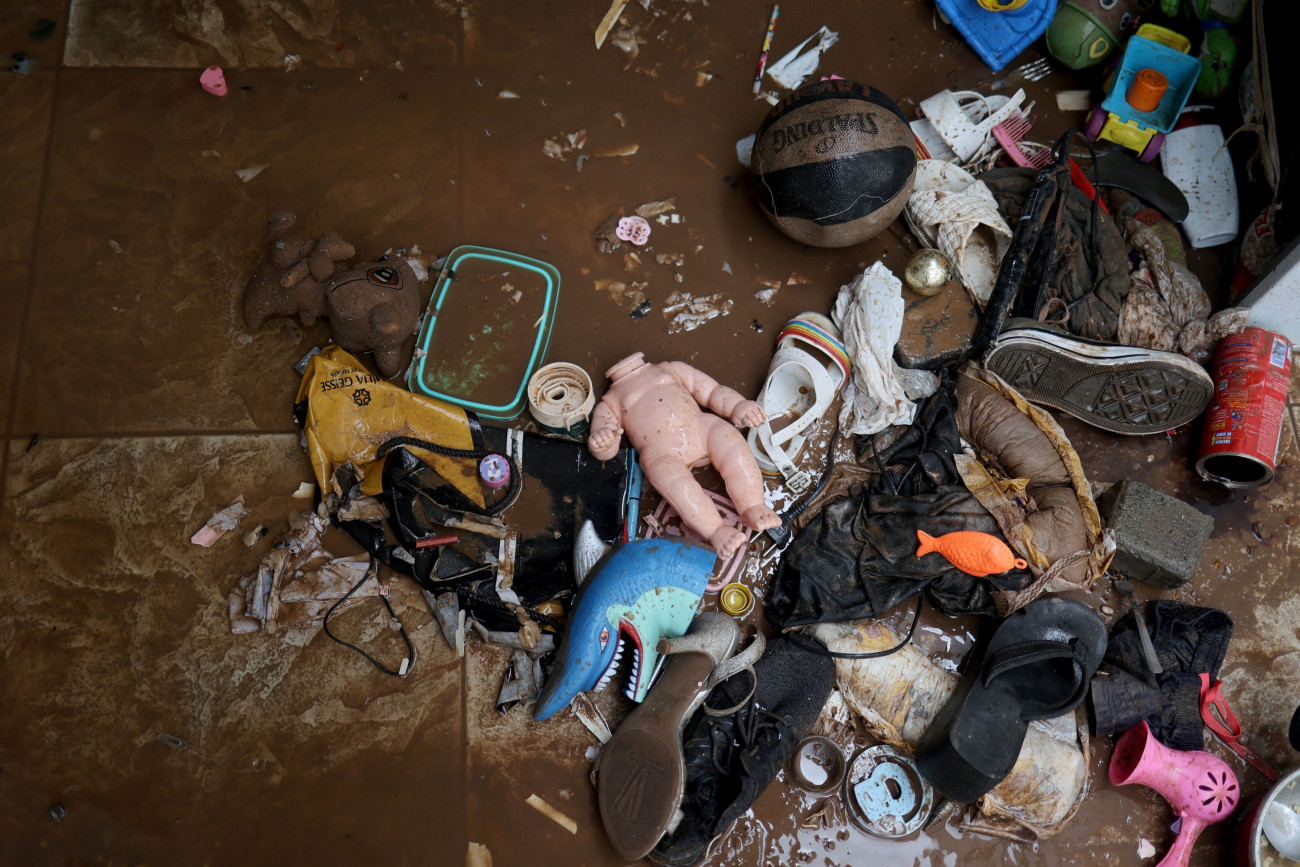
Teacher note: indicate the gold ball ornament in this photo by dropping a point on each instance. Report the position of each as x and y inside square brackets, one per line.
[928, 271]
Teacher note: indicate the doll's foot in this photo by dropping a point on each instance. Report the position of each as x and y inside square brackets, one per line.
[726, 540]
[760, 518]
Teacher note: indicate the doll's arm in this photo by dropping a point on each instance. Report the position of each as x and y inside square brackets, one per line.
[711, 394]
[605, 433]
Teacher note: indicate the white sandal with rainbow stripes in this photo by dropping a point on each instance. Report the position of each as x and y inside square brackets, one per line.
[800, 386]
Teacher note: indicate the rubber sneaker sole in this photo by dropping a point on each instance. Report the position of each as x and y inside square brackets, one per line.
[1122, 389]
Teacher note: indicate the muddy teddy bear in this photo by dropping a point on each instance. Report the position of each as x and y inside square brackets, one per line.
[292, 279]
[374, 307]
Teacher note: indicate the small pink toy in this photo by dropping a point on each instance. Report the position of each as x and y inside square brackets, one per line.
[633, 229]
[659, 407]
[213, 80]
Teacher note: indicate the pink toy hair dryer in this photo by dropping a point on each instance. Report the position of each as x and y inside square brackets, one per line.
[1200, 787]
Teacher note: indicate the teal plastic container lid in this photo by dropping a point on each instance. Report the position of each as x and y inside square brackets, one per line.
[487, 329]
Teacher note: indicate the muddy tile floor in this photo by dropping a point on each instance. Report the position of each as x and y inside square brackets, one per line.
[135, 403]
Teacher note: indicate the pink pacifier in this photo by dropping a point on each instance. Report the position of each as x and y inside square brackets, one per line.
[213, 80]
[633, 229]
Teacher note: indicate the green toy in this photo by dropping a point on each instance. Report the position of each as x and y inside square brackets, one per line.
[1218, 46]
[1085, 32]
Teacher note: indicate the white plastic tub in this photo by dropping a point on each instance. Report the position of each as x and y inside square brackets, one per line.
[1195, 159]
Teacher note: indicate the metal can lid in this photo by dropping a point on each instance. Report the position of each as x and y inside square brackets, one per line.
[494, 470]
[736, 599]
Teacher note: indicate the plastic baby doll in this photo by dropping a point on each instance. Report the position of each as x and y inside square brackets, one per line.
[658, 405]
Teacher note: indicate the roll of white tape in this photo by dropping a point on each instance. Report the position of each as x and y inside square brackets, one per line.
[560, 397]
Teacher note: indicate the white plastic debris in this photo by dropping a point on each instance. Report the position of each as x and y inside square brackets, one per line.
[591, 717]
[220, 522]
[797, 64]
[869, 314]
[688, 312]
[745, 149]
[1195, 159]
[934, 143]
[478, 855]
[251, 172]
[1074, 100]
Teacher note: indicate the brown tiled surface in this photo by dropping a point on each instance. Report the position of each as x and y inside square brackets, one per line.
[21, 19]
[127, 240]
[260, 33]
[152, 235]
[24, 134]
[116, 631]
[508, 758]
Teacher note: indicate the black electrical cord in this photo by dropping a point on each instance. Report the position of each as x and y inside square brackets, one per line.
[817, 647]
[782, 534]
[516, 478]
[372, 570]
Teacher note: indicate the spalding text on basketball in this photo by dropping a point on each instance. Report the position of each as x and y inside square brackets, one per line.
[824, 128]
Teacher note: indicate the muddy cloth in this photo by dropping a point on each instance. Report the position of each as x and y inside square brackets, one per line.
[1187, 641]
[1092, 289]
[1166, 308]
[1021, 467]
[298, 582]
[857, 558]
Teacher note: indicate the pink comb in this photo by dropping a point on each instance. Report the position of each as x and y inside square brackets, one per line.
[1011, 132]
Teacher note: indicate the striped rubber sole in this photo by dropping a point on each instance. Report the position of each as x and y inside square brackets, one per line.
[1122, 389]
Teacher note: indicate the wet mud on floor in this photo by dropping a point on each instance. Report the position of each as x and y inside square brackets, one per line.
[136, 208]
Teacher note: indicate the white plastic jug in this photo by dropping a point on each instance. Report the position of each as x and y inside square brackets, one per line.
[1194, 158]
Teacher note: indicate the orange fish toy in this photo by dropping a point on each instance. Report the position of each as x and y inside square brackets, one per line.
[977, 554]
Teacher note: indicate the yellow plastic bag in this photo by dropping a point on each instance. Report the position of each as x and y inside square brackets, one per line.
[351, 413]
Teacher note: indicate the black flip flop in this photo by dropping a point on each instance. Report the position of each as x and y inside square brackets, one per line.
[1037, 666]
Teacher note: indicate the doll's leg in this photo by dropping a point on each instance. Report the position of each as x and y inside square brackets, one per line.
[675, 483]
[730, 455]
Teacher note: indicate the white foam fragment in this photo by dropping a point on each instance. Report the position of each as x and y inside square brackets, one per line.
[251, 172]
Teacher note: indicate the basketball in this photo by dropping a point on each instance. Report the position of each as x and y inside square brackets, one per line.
[833, 163]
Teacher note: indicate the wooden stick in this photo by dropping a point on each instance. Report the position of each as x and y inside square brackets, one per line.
[607, 23]
[551, 813]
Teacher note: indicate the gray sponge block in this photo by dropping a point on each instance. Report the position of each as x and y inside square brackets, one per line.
[1159, 539]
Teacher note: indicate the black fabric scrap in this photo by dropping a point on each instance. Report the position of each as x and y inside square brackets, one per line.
[1188, 641]
[857, 558]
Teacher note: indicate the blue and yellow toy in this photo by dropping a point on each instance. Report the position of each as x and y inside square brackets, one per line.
[998, 30]
[1146, 92]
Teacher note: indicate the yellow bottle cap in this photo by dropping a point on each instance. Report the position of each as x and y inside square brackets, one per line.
[736, 599]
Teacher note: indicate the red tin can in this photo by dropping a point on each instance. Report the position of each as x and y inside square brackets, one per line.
[1243, 426]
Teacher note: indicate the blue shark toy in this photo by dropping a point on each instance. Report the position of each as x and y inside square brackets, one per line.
[642, 591]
